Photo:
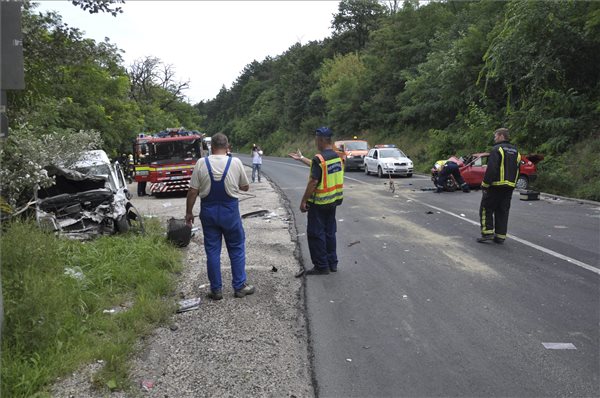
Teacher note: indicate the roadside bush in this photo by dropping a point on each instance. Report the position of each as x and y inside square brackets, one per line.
[59, 297]
[27, 151]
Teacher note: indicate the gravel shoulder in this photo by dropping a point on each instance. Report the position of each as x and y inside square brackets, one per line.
[254, 346]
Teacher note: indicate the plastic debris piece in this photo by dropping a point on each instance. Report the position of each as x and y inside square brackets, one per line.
[341, 220]
[353, 243]
[348, 359]
[366, 347]
[111, 311]
[168, 204]
[74, 272]
[147, 385]
[257, 213]
[404, 296]
[560, 226]
[331, 301]
[406, 250]
[203, 286]
[462, 214]
[559, 346]
[189, 304]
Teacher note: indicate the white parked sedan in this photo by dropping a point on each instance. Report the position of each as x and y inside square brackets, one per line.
[388, 160]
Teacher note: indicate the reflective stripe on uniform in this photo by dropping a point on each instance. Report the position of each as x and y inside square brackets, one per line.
[330, 188]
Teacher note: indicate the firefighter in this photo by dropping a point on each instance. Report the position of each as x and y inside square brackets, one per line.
[446, 168]
[497, 187]
[324, 192]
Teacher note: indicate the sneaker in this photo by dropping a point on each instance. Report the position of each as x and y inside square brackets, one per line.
[485, 238]
[498, 240]
[244, 291]
[317, 271]
[215, 295]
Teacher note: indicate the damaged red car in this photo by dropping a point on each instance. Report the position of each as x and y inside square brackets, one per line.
[472, 168]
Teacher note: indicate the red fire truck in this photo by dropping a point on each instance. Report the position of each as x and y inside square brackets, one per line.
[166, 159]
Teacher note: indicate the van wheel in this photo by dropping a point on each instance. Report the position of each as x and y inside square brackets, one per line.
[122, 224]
[379, 172]
[522, 183]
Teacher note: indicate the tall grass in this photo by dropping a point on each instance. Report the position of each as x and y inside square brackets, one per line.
[56, 296]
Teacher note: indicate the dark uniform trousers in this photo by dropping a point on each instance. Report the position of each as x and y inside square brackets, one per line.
[320, 230]
[493, 212]
[450, 168]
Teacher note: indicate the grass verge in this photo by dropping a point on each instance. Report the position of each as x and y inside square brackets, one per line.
[58, 296]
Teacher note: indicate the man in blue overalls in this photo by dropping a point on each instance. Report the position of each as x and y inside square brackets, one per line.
[217, 179]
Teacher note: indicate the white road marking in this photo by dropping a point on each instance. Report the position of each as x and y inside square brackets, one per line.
[520, 240]
[513, 237]
[559, 346]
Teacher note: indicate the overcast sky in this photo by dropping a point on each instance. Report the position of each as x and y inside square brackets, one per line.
[208, 42]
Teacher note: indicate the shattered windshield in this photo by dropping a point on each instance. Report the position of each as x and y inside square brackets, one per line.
[99, 170]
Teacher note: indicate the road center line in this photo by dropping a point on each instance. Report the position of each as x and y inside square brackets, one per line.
[520, 240]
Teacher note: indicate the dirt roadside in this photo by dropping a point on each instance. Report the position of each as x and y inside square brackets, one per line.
[255, 346]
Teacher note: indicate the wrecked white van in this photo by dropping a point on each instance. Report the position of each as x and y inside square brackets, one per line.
[89, 199]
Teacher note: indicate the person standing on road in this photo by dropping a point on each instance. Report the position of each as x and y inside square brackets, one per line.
[445, 169]
[497, 187]
[256, 161]
[217, 179]
[324, 192]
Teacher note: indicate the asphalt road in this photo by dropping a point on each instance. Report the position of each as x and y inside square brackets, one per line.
[419, 309]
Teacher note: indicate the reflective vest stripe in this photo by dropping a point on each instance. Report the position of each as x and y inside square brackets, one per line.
[501, 163]
[330, 189]
[325, 194]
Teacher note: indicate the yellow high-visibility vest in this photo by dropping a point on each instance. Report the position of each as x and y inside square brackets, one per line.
[331, 187]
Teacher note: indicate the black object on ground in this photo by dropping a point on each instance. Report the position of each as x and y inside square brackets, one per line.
[257, 213]
[178, 232]
[529, 195]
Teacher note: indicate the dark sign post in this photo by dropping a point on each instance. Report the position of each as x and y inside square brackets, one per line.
[12, 75]
[11, 55]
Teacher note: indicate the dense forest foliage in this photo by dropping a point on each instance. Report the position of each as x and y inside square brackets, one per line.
[80, 96]
[435, 78]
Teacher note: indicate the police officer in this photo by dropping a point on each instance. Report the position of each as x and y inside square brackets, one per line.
[324, 192]
[217, 179]
[497, 187]
[446, 168]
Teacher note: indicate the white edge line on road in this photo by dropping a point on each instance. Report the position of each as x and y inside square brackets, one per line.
[520, 240]
[516, 238]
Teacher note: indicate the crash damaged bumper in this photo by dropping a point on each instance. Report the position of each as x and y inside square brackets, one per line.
[82, 207]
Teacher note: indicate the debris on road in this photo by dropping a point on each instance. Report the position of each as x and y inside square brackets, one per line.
[257, 213]
[189, 304]
[353, 243]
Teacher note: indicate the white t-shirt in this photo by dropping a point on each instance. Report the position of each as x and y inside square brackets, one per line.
[236, 176]
[256, 157]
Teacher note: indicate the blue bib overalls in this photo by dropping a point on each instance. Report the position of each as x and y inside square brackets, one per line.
[220, 217]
